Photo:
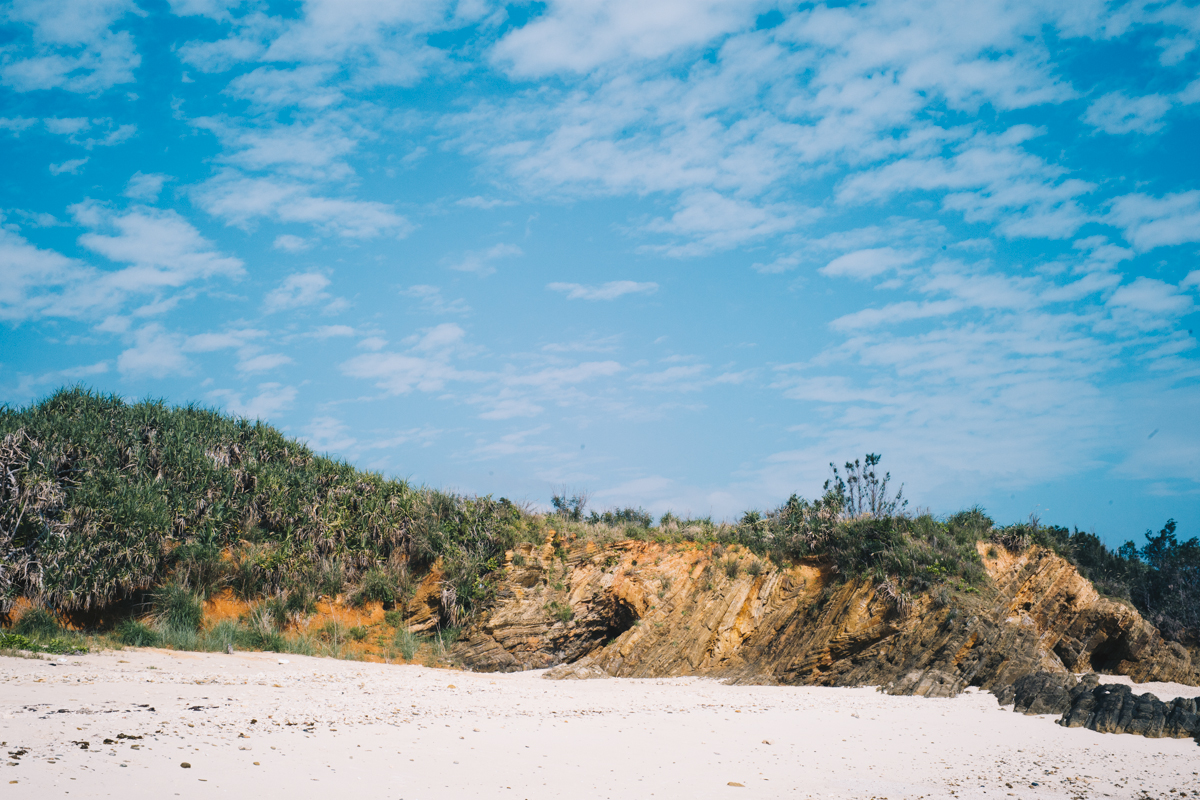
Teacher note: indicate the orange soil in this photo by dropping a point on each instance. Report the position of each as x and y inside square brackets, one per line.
[226, 606]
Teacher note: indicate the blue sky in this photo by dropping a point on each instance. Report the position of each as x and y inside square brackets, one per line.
[677, 254]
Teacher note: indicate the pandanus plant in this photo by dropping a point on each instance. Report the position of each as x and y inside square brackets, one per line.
[102, 500]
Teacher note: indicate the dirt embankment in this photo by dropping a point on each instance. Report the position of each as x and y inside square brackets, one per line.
[637, 609]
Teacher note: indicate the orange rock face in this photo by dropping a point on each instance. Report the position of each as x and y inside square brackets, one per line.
[639, 609]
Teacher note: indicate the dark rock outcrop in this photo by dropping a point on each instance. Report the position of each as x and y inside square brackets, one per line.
[639, 609]
[1114, 708]
[1039, 693]
[1102, 707]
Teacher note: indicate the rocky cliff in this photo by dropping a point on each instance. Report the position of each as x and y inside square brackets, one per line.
[641, 609]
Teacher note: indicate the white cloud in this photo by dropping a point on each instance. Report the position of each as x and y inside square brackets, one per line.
[36, 282]
[514, 443]
[213, 9]
[328, 435]
[374, 43]
[483, 203]
[440, 338]
[66, 126]
[298, 291]
[289, 243]
[1190, 93]
[70, 167]
[110, 133]
[15, 125]
[401, 373]
[863, 264]
[333, 331]
[1150, 222]
[990, 179]
[689, 378]
[155, 352]
[240, 200]
[1175, 49]
[708, 221]
[1148, 304]
[480, 261]
[274, 88]
[588, 344]
[27, 384]
[71, 46]
[163, 249]
[730, 137]
[262, 363]
[230, 339]
[605, 291]
[272, 398]
[432, 300]
[429, 365]
[895, 313]
[145, 186]
[301, 149]
[580, 35]
[1117, 113]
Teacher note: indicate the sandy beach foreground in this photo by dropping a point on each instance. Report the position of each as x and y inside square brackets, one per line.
[262, 725]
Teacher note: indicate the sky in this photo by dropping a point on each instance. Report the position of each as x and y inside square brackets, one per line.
[679, 255]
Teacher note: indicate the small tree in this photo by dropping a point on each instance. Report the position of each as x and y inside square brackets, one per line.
[570, 507]
[863, 492]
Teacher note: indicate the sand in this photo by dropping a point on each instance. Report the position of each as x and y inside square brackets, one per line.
[251, 726]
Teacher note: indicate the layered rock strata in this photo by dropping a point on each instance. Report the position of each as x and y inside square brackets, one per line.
[640, 609]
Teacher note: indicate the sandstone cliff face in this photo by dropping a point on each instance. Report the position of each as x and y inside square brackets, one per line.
[638, 609]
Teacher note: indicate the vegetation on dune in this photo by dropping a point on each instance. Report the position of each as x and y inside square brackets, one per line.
[104, 502]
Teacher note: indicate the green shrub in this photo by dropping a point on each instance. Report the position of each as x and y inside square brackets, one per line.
[14, 641]
[637, 518]
[250, 571]
[449, 635]
[174, 638]
[331, 578]
[732, 567]
[408, 643]
[199, 566]
[66, 645]
[332, 632]
[37, 623]
[176, 608]
[560, 611]
[299, 599]
[358, 633]
[135, 633]
[375, 586]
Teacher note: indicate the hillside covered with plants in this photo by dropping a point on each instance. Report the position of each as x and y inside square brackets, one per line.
[111, 511]
[103, 501]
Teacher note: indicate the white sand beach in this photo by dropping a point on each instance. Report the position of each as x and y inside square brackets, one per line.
[251, 725]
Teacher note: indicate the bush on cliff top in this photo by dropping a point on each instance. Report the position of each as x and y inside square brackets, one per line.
[1161, 578]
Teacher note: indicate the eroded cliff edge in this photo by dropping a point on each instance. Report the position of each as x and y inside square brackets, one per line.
[638, 609]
